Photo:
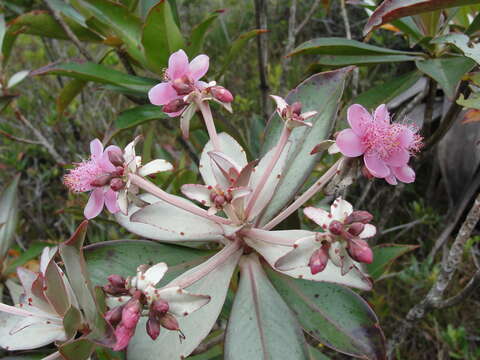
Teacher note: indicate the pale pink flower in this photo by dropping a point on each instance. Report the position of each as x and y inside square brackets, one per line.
[182, 78]
[94, 175]
[386, 147]
[292, 114]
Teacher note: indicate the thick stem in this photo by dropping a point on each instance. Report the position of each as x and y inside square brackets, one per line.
[266, 174]
[208, 266]
[261, 14]
[307, 195]
[173, 200]
[208, 118]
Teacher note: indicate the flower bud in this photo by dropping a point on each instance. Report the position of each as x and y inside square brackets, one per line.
[131, 314]
[116, 280]
[123, 335]
[219, 200]
[169, 322]
[318, 261]
[359, 216]
[153, 327]
[117, 184]
[183, 85]
[115, 158]
[356, 228]
[367, 173]
[221, 94]
[336, 227]
[174, 106]
[160, 307]
[296, 108]
[360, 251]
[102, 180]
[114, 316]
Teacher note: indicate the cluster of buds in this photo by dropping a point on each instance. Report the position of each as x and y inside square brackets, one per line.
[137, 296]
[292, 114]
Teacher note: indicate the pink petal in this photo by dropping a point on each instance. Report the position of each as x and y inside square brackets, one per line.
[104, 160]
[381, 114]
[176, 113]
[198, 67]
[404, 174]
[359, 118]
[398, 158]
[391, 179]
[177, 65]
[376, 166]
[349, 143]
[96, 148]
[111, 201]
[406, 138]
[162, 94]
[94, 204]
[280, 102]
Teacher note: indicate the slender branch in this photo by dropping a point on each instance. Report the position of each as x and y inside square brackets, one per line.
[307, 195]
[365, 192]
[308, 16]
[266, 174]
[285, 60]
[58, 17]
[261, 12]
[41, 139]
[449, 265]
[15, 138]
[187, 146]
[403, 226]
[428, 114]
[411, 104]
[125, 62]
[348, 34]
[472, 284]
[175, 201]
[208, 118]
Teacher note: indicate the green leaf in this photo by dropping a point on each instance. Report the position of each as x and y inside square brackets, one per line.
[384, 255]
[122, 257]
[72, 321]
[34, 249]
[322, 93]
[474, 26]
[473, 101]
[315, 354]
[3, 29]
[391, 10]
[139, 115]
[345, 60]
[124, 24]
[67, 94]
[161, 36]
[199, 32]
[8, 215]
[98, 73]
[446, 71]
[236, 47]
[79, 349]
[334, 315]
[41, 23]
[67, 10]
[55, 291]
[385, 92]
[461, 42]
[341, 46]
[261, 319]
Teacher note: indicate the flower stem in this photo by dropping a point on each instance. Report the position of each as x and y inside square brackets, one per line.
[268, 171]
[174, 200]
[202, 270]
[307, 195]
[208, 118]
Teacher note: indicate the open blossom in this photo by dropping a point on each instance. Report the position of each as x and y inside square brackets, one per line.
[292, 114]
[105, 176]
[341, 242]
[386, 147]
[128, 298]
[36, 320]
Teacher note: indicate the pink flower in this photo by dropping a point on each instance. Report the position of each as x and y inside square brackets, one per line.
[386, 147]
[182, 78]
[94, 175]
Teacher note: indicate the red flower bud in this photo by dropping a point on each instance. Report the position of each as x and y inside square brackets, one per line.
[115, 158]
[174, 106]
[296, 108]
[159, 307]
[356, 228]
[131, 313]
[102, 180]
[221, 94]
[336, 227]
[367, 173]
[114, 316]
[360, 251]
[123, 335]
[116, 280]
[318, 261]
[169, 322]
[153, 327]
[117, 184]
[183, 85]
[359, 216]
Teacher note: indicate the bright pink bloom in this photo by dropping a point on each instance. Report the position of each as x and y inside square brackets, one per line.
[386, 147]
[95, 175]
[181, 78]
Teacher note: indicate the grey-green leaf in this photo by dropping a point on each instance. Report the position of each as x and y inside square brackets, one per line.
[8, 215]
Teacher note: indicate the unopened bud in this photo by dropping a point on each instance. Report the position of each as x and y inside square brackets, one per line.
[123, 335]
[228, 197]
[222, 94]
[115, 158]
[131, 313]
[336, 227]
[356, 228]
[174, 106]
[114, 316]
[318, 261]
[367, 173]
[117, 184]
[102, 180]
[219, 200]
[116, 280]
[169, 322]
[359, 216]
[153, 327]
[159, 307]
[183, 86]
[360, 251]
[296, 108]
